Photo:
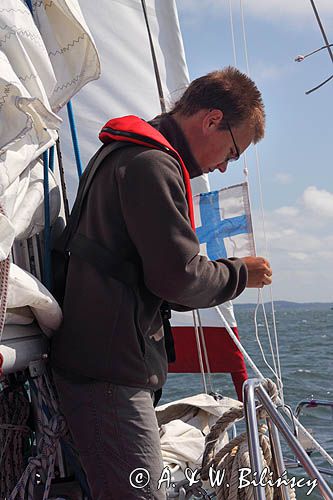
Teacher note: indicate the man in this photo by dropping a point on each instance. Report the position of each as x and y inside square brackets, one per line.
[109, 355]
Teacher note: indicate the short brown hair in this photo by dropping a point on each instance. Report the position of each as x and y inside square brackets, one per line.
[229, 90]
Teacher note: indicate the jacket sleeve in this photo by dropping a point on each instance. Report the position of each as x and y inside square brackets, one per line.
[153, 199]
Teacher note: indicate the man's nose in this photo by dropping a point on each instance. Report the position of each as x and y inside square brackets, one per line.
[224, 167]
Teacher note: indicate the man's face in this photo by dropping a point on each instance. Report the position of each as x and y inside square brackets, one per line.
[219, 147]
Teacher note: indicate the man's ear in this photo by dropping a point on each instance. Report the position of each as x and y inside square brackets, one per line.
[211, 121]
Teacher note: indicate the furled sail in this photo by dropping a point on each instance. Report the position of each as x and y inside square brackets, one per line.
[47, 54]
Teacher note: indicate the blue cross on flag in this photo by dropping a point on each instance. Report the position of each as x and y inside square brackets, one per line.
[223, 222]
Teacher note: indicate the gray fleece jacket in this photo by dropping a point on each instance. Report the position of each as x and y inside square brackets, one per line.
[137, 208]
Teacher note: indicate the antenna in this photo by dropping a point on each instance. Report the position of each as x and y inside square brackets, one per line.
[327, 46]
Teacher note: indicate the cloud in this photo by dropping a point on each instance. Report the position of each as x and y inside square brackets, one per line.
[287, 211]
[283, 178]
[318, 201]
[298, 255]
[300, 246]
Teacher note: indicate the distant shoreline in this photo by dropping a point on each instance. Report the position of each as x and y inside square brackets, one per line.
[286, 304]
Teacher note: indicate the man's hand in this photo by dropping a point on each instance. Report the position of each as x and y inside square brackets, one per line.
[259, 272]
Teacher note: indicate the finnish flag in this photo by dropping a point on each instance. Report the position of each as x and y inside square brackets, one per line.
[223, 222]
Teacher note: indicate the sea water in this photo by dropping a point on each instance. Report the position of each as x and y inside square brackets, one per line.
[305, 339]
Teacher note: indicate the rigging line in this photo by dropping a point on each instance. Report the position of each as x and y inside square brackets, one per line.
[262, 208]
[267, 253]
[239, 345]
[301, 58]
[62, 180]
[273, 370]
[279, 381]
[153, 55]
[204, 346]
[327, 43]
[318, 86]
[199, 352]
[47, 272]
[245, 169]
[244, 39]
[75, 139]
[232, 33]
[276, 341]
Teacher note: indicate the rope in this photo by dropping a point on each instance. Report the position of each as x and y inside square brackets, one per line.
[51, 427]
[14, 435]
[235, 454]
[47, 224]
[51, 158]
[4, 278]
[75, 139]
[62, 179]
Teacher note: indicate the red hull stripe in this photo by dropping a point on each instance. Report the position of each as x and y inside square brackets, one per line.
[133, 129]
[223, 354]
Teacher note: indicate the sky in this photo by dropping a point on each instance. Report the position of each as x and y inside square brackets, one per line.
[294, 173]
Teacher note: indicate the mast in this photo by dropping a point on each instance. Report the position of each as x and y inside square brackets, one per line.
[327, 43]
[154, 58]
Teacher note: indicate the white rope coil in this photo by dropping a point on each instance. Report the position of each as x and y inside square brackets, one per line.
[235, 454]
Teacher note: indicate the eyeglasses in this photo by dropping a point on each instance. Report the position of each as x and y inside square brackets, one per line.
[236, 156]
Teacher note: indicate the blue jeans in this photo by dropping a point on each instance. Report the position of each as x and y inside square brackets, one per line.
[115, 431]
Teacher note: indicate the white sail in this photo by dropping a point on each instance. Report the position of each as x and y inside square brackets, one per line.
[127, 84]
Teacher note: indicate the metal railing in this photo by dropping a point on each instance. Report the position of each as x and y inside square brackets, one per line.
[313, 403]
[253, 390]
